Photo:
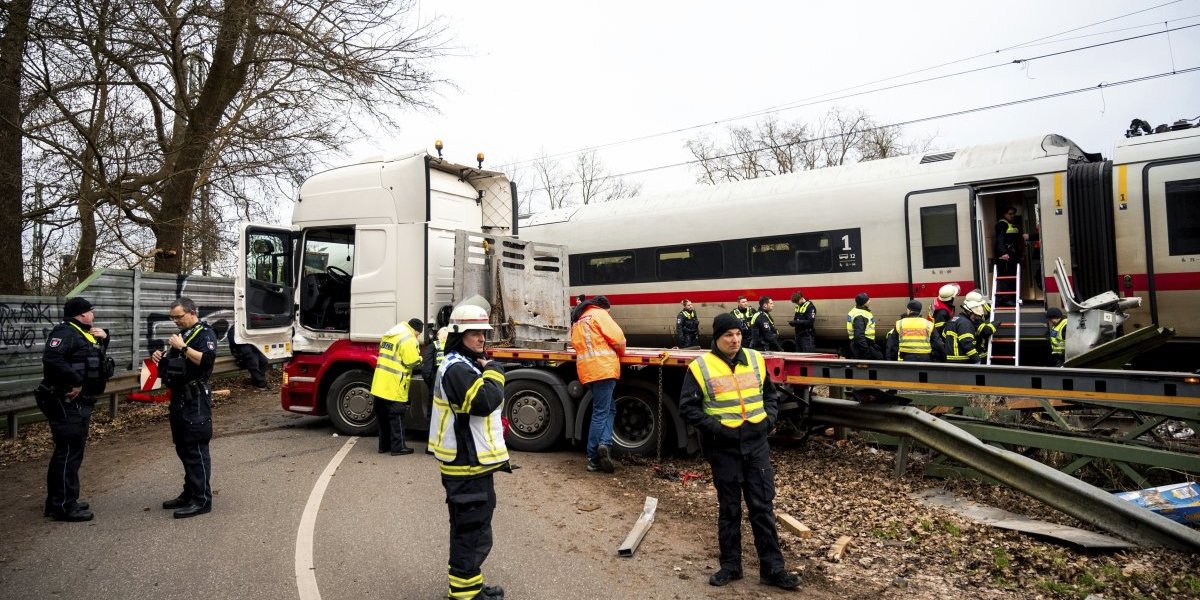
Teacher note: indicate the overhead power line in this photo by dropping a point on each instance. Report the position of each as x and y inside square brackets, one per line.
[814, 99]
[957, 113]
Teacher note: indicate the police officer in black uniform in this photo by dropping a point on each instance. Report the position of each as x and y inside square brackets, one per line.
[805, 323]
[687, 326]
[185, 368]
[763, 335]
[74, 372]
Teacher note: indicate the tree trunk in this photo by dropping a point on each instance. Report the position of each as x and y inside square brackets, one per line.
[12, 56]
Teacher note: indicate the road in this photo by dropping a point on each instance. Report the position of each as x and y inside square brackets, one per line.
[380, 531]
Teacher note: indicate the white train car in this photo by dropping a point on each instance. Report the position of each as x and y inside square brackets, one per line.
[900, 228]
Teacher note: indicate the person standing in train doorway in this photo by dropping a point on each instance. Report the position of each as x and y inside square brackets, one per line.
[804, 322]
[599, 345]
[763, 335]
[687, 326]
[1010, 247]
[744, 313]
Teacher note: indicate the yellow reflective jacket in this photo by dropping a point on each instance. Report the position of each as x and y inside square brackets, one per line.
[399, 354]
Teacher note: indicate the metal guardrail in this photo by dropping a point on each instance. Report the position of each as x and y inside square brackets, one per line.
[122, 383]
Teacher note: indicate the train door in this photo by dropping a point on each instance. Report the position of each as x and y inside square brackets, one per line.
[1171, 203]
[991, 204]
[940, 240]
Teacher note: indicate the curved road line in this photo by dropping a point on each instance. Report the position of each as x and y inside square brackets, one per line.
[306, 574]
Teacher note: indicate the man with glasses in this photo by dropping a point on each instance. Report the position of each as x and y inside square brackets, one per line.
[185, 369]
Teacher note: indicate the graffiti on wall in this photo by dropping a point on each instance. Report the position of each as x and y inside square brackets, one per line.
[22, 325]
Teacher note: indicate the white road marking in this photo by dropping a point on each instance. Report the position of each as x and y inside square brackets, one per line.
[306, 573]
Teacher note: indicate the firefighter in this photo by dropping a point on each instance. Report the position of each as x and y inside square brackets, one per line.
[185, 369]
[941, 310]
[399, 355]
[986, 328]
[914, 335]
[763, 335]
[467, 439]
[687, 326]
[1010, 247]
[599, 345]
[1056, 332]
[804, 321]
[744, 313]
[74, 371]
[959, 334]
[728, 397]
[860, 328]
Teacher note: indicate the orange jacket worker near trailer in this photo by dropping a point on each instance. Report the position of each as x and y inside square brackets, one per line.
[599, 345]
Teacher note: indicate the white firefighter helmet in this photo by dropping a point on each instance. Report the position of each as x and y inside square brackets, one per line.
[948, 292]
[466, 317]
[973, 296]
[975, 306]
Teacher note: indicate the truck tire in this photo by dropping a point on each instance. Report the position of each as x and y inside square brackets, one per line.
[635, 425]
[350, 405]
[535, 416]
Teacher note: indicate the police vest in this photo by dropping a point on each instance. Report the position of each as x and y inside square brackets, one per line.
[392, 375]
[1058, 337]
[439, 354]
[744, 315]
[733, 397]
[763, 313]
[914, 335]
[1011, 229]
[860, 312]
[487, 432]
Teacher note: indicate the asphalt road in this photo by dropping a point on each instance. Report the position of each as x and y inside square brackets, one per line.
[380, 532]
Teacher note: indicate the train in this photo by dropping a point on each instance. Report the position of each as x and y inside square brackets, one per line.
[900, 228]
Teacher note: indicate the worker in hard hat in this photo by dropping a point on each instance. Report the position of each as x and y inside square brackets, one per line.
[941, 310]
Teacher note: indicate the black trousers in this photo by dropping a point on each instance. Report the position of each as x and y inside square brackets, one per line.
[69, 423]
[743, 471]
[806, 342]
[688, 339]
[471, 503]
[191, 431]
[390, 417]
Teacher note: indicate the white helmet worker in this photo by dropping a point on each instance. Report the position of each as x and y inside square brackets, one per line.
[975, 306]
[973, 296]
[948, 292]
[466, 317]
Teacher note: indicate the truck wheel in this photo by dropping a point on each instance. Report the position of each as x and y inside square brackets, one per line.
[350, 405]
[535, 416]
[635, 426]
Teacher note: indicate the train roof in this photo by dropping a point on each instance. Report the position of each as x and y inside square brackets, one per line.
[984, 160]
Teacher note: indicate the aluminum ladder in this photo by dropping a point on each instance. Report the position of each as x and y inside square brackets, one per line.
[1013, 328]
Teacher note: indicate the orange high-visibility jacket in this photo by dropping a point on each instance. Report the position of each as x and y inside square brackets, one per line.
[599, 343]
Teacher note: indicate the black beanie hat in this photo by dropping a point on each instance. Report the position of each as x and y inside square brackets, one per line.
[1053, 313]
[724, 322]
[75, 307]
[862, 298]
[914, 305]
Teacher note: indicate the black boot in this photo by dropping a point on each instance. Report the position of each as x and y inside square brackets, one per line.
[178, 502]
[192, 510]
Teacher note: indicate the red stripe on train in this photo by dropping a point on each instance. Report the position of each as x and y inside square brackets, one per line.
[1163, 282]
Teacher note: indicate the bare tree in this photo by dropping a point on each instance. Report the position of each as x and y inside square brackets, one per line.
[15, 15]
[597, 185]
[166, 108]
[553, 181]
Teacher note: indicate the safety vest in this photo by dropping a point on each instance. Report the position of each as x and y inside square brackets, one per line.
[762, 313]
[860, 312]
[596, 357]
[732, 396]
[399, 352]
[803, 308]
[1011, 228]
[1058, 337]
[744, 315]
[439, 353]
[914, 335]
[933, 308]
[487, 432]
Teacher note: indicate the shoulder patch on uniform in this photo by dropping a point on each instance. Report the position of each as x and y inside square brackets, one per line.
[212, 345]
[55, 342]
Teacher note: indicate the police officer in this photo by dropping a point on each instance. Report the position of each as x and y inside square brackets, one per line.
[860, 328]
[249, 357]
[763, 335]
[399, 354]
[744, 313]
[74, 372]
[1056, 332]
[687, 326]
[914, 335]
[467, 439]
[728, 397]
[1010, 247]
[959, 334]
[804, 322]
[434, 351]
[185, 368]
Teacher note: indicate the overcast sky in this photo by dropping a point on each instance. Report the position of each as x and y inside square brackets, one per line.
[555, 76]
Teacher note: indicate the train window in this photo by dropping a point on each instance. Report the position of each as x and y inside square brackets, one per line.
[791, 255]
[939, 236]
[697, 261]
[600, 269]
[1183, 217]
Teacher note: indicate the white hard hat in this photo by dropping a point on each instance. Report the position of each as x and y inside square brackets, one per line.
[974, 306]
[466, 317]
[948, 292]
[973, 296]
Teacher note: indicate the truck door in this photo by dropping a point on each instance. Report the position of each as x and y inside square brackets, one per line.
[940, 246]
[264, 292]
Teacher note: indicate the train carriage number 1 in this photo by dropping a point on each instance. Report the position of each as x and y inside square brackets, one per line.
[846, 243]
